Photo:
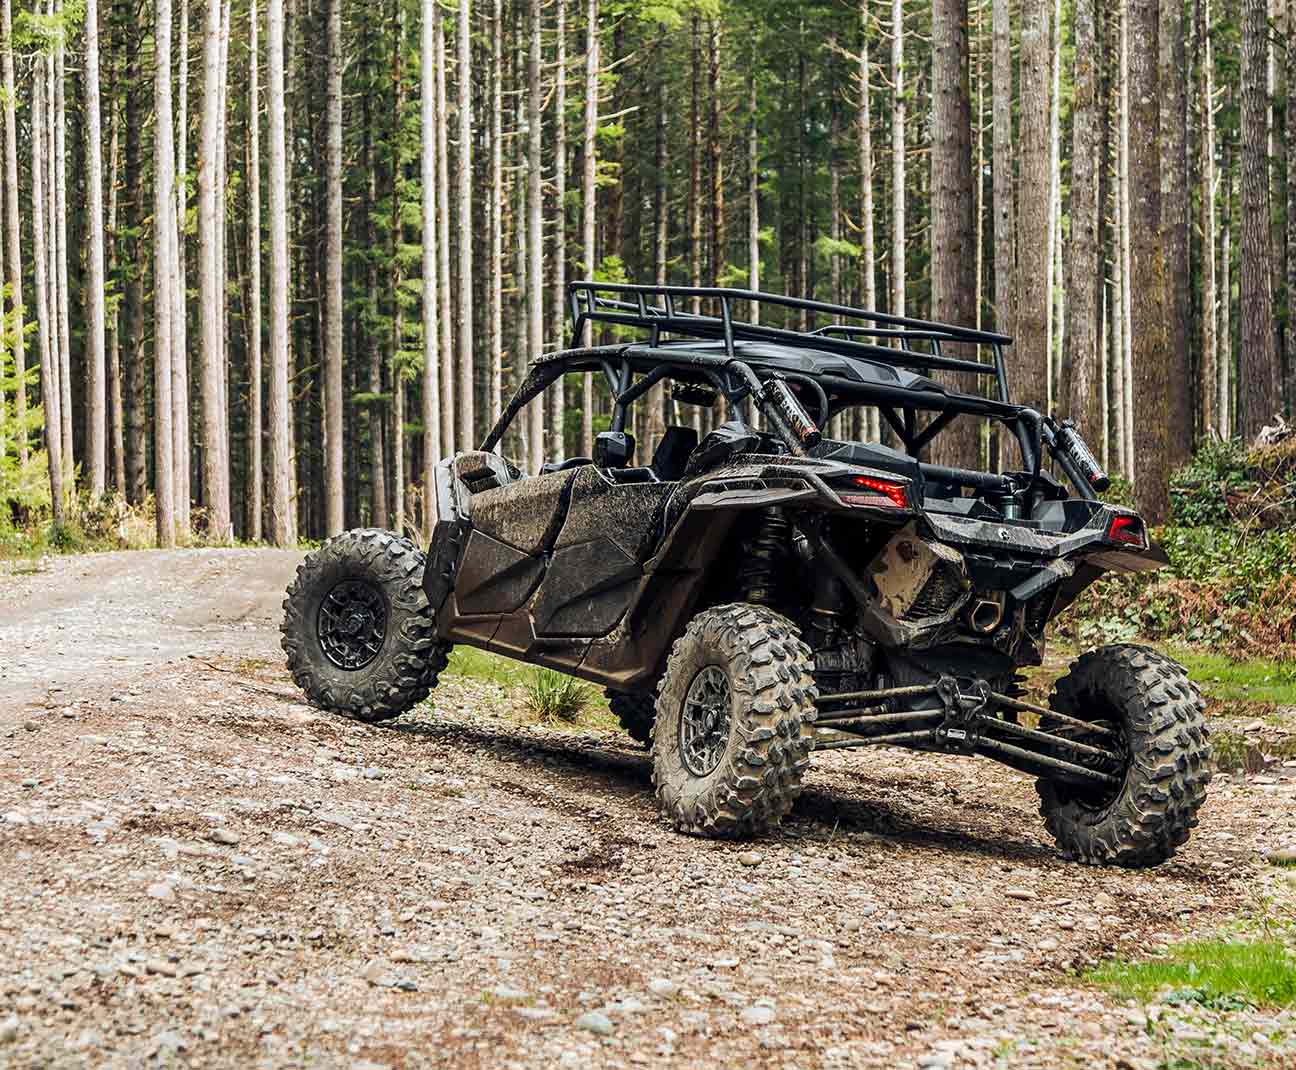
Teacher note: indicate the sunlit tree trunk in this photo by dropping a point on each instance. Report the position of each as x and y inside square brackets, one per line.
[897, 160]
[868, 245]
[464, 162]
[282, 530]
[1085, 402]
[49, 384]
[1206, 215]
[334, 506]
[13, 225]
[558, 303]
[96, 451]
[256, 478]
[181, 436]
[495, 270]
[445, 321]
[59, 277]
[433, 441]
[535, 232]
[588, 195]
[1029, 369]
[163, 276]
[1176, 200]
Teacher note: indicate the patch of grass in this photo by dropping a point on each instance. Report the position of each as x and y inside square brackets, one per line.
[489, 668]
[1221, 974]
[1253, 680]
[554, 696]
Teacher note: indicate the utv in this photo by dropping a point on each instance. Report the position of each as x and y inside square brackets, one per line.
[768, 590]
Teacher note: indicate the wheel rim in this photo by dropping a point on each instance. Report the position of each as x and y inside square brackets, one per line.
[1098, 798]
[352, 624]
[704, 721]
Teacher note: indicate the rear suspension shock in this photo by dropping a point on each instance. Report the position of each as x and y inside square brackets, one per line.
[764, 550]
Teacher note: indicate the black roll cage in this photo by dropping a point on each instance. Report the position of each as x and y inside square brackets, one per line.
[656, 309]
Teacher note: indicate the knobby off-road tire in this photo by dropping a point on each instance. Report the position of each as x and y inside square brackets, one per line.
[765, 749]
[635, 712]
[1150, 698]
[386, 570]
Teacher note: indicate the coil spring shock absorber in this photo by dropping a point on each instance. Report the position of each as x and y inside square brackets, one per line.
[763, 551]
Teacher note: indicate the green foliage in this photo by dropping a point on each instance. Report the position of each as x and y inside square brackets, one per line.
[826, 248]
[1248, 680]
[554, 696]
[1220, 974]
[1198, 491]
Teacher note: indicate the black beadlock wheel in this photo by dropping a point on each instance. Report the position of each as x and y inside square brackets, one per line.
[1155, 716]
[636, 713]
[734, 726]
[357, 630]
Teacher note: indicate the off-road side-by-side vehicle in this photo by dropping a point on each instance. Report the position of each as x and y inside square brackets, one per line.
[769, 591]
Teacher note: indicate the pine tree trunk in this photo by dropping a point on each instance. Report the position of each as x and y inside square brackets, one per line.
[133, 291]
[1028, 371]
[211, 285]
[396, 369]
[495, 267]
[1149, 282]
[897, 160]
[558, 304]
[116, 411]
[59, 277]
[467, 419]
[163, 277]
[49, 385]
[181, 437]
[1085, 402]
[445, 321]
[1127, 302]
[1223, 385]
[695, 170]
[1290, 149]
[334, 503]
[1005, 228]
[588, 195]
[954, 289]
[1206, 216]
[868, 245]
[256, 477]
[432, 416]
[661, 241]
[1176, 200]
[96, 451]
[13, 227]
[282, 530]
[716, 159]
[753, 191]
[1259, 397]
[535, 233]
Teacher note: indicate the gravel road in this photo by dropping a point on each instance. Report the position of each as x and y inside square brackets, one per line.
[196, 869]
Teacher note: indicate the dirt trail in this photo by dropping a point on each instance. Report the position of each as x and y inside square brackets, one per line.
[197, 869]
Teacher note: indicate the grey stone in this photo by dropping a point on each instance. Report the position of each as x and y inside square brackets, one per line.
[750, 858]
[223, 836]
[9, 1029]
[161, 890]
[595, 1022]
[1022, 893]
[95, 741]
[505, 994]
[663, 987]
[758, 1015]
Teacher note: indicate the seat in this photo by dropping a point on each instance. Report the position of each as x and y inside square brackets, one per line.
[672, 453]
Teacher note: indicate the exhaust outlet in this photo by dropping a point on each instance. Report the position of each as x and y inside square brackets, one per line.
[986, 614]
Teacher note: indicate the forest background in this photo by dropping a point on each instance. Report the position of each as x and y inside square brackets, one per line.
[264, 266]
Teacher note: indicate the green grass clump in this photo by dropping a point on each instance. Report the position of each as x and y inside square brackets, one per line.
[1252, 680]
[553, 696]
[1215, 973]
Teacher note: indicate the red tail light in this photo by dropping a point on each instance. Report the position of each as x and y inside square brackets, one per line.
[881, 492]
[1127, 530]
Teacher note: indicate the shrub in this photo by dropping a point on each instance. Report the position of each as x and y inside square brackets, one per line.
[553, 696]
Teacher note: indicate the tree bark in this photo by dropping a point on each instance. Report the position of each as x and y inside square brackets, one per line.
[589, 192]
[445, 322]
[211, 286]
[1005, 230]
[467, 420]
[1085, 402]
[1206, 216]
[163, 276]
[535, 233]
[954, 289]
[897, 160]
[1175, 202]
[1291, 207]
[495, 267]
[1148, 284]
[96, 452]
[432, 416]
[282, 529]
[1259, 397]
[558, 304]
[1223, 385]
[334, 505]
[13, 228]
[49, 385]
[1028, 371]
[868, 244]
[181, 436]
[59, 277]
[255, 477]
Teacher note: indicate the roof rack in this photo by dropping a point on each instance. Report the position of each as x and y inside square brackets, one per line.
[657, 310]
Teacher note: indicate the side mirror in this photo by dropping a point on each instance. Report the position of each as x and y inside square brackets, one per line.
[613, 449]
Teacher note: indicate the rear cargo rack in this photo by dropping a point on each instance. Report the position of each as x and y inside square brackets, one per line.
[657, 310]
